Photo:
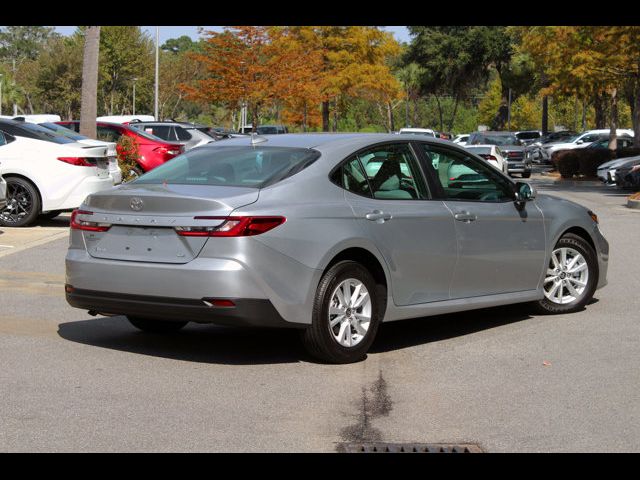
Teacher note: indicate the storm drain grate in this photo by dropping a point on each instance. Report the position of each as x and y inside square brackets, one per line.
[409, 448]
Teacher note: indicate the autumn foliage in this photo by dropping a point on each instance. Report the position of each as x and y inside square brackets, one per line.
[295, 68]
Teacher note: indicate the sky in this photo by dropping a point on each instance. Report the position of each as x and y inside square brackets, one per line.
[166, 32]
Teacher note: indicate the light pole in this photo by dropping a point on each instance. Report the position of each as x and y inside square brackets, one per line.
[134, 95]
[155, 109]
[0, 94]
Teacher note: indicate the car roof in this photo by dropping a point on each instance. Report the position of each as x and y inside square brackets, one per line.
[320, 140]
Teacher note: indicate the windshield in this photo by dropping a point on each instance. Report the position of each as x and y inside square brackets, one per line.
[232, 166]
[528, 135]
[46, 134]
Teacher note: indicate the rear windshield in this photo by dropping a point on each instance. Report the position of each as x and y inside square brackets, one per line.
[497, 139]
[65, 132]
[479, 150]
[46, 134]
[254, 167]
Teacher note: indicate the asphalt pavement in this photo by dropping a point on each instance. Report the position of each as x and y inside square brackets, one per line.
[505, 378]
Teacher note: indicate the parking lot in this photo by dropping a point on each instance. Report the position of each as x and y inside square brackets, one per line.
[505, 378]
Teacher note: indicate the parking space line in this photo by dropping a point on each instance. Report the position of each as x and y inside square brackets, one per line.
[35, 243]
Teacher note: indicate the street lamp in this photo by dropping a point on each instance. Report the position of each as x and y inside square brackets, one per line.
[0, 94]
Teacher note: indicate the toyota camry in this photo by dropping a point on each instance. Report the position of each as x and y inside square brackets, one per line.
[331, 234]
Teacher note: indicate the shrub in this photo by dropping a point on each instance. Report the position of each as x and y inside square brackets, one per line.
[566, 163]
[128, 154]
[581, 161]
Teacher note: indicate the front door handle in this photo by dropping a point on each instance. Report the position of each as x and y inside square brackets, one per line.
[378, 216]
[465, 217]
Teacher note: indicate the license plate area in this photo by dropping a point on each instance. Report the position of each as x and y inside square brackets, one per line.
[103, 167]
[143, 244]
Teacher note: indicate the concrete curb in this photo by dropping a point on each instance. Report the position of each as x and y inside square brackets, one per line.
[635, 204]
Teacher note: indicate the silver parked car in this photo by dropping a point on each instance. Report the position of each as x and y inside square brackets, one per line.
[329, 233]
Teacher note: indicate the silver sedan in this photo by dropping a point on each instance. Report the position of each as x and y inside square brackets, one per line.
[329, 233]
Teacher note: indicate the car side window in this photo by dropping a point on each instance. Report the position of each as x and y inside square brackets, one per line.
[107, 134]
[393, 173]
[352, 177]
[3, 140]
[463, 177]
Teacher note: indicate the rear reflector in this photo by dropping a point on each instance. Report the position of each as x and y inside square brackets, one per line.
[78, 161]
[218, 302]
[86, 225]
[232, 227]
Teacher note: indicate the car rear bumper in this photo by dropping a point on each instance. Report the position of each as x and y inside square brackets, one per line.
[518, 167]
[87, 186]
[247, 312]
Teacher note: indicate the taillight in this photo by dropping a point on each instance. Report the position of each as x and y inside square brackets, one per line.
[86, 225]
[514, 154]
[488, 157]
[78, 161]
[232, 227]
[165, 150]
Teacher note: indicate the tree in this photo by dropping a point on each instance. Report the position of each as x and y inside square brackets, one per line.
[454, 60]
[24, 42]
[89, 105]
[126, 53]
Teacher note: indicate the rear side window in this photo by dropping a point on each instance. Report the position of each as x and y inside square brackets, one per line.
[161, 131]
[232, 166]
[352, 177]
[182, 134]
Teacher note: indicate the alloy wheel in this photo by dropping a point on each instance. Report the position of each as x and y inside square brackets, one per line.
[567, 276]
[350, 312]
[19, 204]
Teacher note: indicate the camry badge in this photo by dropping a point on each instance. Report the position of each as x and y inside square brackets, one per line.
[136, 204]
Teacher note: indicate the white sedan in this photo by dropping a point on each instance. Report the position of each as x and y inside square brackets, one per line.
[491, 153]
[46, 177]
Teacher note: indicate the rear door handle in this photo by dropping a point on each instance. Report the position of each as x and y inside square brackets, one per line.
[378, 216]
[465, 217]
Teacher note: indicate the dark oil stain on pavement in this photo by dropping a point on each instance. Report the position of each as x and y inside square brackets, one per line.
[374, 402]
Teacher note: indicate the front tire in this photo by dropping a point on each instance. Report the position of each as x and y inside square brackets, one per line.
[155, 326]
[346, 313]
[571, 277]
[23, 203]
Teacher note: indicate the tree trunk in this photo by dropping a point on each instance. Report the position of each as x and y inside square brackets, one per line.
[545, 115]
[335, 116]
[254, 117]
[613, 132]
[455, 110]
[391, 124]
[601, 111]
[584, 115]
[439, 111]
[636, 117]
[325, 116]
[89, 102]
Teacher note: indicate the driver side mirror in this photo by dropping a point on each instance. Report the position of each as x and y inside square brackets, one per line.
[524, 193]
[580, 142]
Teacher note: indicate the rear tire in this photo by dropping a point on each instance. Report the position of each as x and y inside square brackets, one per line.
[23, 203]
[346, 313]
[155, 326]
[578, 250]
[526, 175]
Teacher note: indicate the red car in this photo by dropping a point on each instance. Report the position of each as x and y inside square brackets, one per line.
[154, 151]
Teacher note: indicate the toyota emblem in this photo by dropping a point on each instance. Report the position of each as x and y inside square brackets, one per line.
[136, 204]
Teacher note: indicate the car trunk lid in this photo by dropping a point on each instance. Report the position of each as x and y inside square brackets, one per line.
[143, 220]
